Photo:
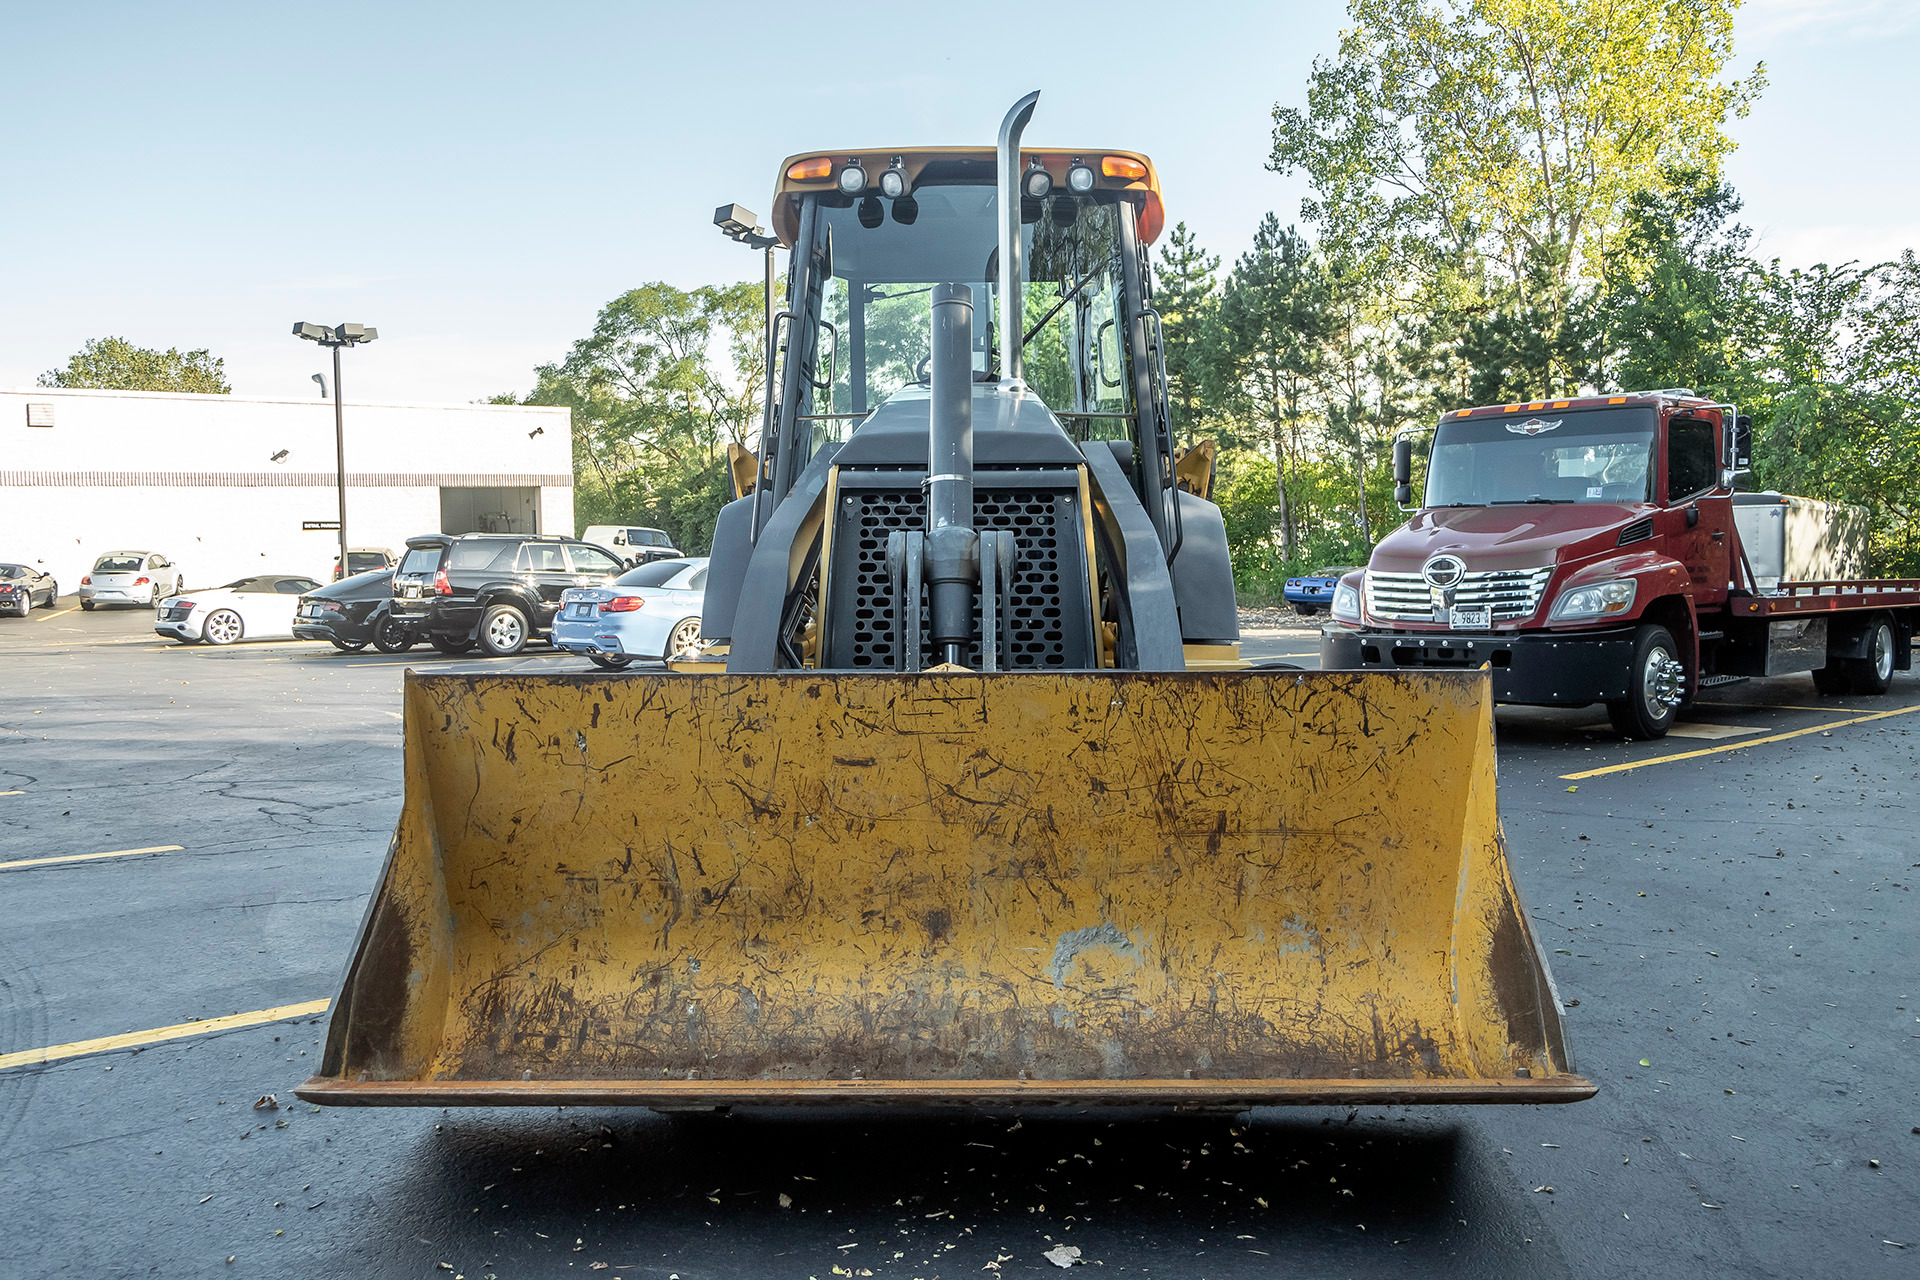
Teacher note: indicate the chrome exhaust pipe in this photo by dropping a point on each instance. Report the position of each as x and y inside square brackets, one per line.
[1011, 264]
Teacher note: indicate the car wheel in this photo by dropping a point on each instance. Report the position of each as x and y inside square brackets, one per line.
[611, 661]
[347, 646]
[223, 626]
[87, 605]
[503, 631]
[1656, 686]
[391, 635]
[1874, 673]
[1832, 680]
[26, 604]
[685, 638]
[450, 645]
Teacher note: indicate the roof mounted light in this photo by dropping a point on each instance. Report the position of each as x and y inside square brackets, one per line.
[1123, 167]
[810, 170]
[1036, 183]
[853, 179]
[893, 182]
[1079, 177]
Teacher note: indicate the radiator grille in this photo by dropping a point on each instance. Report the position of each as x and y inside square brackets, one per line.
[1513, 593]
[1039, 631]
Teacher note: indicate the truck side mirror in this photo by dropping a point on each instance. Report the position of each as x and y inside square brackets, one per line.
[1403, 462]
[1742, 441]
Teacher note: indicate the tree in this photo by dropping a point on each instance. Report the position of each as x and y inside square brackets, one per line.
[114, 364]
[1273, 319]
[1676, 294]
[1184, 295]
[653, 408]
[1512, 132]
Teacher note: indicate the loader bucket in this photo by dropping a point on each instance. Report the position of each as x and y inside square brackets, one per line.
[1124, 887]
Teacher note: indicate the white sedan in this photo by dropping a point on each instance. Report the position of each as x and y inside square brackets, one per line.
[258, 608]
[649, 612]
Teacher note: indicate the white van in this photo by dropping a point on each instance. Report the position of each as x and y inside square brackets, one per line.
[632, 543]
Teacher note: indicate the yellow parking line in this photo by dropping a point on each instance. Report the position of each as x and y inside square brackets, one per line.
[12, 793]
[88, 857]
[133, 1039]
[1772, 706]
[59, 613]
[1732, 746]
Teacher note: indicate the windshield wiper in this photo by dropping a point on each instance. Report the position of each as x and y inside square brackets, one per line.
[1535, 500]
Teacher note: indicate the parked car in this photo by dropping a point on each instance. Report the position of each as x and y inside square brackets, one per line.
[496, 590]
[130, 577]
[365, 560]
[22, 586]
[632, 543]
[353, 613]
[649, 612]
[256, 608]
[1311, 594]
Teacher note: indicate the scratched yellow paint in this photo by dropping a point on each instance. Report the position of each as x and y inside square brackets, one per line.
[1265, 876]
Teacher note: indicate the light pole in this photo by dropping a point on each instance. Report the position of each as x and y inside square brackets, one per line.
[338, 336]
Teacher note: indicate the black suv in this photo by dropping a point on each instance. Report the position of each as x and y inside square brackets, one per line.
[497, 590]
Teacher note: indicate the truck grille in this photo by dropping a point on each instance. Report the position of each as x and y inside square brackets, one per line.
[1044, 525]
[1513, 593]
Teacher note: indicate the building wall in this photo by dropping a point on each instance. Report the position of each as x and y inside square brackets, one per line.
[195, 477]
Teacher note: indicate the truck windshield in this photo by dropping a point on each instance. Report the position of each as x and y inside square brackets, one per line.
[1592, 455]
[884, 269]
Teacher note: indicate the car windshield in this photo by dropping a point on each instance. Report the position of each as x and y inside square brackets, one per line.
[647, 538]
[13, 571]
[1593, 455]
[361, 561]
[884, 268]
[117, 564]
[657, 574]
[421, 560]
[250, 585]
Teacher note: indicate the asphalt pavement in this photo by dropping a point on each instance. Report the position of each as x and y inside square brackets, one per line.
[1728, 913]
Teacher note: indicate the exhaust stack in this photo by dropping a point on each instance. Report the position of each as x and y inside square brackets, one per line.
[1011, 264]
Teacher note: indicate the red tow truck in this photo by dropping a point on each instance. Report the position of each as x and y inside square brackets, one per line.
[1586, 550]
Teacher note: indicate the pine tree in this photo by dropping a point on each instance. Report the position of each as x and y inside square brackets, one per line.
[1189, 309]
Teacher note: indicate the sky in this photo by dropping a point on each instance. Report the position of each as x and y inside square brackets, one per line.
[478, 180]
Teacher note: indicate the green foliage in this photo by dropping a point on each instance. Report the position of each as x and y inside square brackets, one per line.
[1184, 295]
[654, 406]
[114, 364]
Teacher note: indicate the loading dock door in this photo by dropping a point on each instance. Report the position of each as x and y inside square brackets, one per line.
[514, 509]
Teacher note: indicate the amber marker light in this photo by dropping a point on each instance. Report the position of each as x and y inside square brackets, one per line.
[812, 170]
[1123, 167]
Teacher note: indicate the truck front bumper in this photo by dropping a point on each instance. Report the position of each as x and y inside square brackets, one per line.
[1539, 668]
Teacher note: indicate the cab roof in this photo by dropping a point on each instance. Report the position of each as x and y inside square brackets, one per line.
[1677, 397]
[964, 164]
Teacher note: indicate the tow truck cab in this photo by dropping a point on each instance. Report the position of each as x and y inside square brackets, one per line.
[1585, 550]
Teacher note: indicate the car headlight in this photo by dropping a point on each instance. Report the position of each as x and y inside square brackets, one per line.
[1598, 601]
[1346, 603]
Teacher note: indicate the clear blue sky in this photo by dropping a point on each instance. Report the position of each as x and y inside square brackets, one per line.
[478, 179]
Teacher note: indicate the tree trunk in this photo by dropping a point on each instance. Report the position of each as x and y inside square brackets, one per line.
[1281, 507]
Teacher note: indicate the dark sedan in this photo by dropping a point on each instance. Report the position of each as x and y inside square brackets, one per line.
[22, 587]
[354, 612]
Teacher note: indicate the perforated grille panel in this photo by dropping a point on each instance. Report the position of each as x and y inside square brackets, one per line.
[1048, 613]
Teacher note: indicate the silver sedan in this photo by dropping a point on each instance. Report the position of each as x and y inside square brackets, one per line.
[649, 612]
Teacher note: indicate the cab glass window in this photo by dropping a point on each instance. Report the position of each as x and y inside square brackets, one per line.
[1690, 461]
[541, 557]
[483, 553]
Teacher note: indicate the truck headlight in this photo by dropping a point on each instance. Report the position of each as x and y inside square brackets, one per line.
[1346, 604]
[1597, 601]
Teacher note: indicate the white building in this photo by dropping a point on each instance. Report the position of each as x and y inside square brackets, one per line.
[221, 485]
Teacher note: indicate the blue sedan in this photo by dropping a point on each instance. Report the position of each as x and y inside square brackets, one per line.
[1311, 594]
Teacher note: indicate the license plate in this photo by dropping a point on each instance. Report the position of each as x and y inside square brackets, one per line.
[411, 591]
[1480, 616]
[579, 611]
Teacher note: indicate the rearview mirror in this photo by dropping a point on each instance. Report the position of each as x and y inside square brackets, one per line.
[1403, 463]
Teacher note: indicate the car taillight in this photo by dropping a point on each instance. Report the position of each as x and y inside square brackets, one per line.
[622, 604]
[87, 580]
[185, 606]
[441, 587]
[141, 582]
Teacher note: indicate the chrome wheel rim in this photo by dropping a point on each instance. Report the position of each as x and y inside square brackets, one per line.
[504, 631]
[223, 627]
[686, 637]
[1660, 682]
[1883, 653]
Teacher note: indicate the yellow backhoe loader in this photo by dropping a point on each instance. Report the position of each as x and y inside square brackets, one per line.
[970, 796]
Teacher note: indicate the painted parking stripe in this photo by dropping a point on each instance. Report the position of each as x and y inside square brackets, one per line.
[88, 857]
[59, 613]
[12, 793]
[1732, 746]
[158, 1035]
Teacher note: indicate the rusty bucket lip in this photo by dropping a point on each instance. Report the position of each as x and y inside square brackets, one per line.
[330, 1091]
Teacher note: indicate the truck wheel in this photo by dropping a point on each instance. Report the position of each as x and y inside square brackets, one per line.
[1874, 673]
[503, 631]
[1656, 685]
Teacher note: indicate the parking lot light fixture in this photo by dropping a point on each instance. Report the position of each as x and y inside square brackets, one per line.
[336, 337]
